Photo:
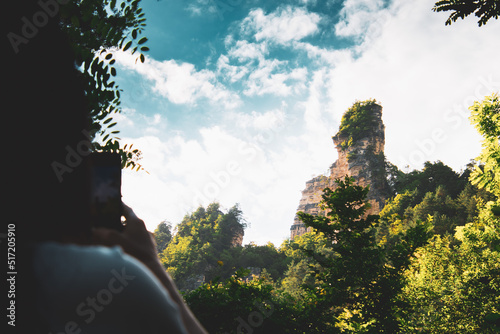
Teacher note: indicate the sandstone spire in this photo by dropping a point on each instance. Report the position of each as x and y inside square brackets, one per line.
[360, 146]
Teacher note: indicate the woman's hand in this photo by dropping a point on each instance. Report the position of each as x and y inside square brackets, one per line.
[135, 239]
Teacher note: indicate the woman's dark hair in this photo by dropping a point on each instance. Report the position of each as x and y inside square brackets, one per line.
[44, 118]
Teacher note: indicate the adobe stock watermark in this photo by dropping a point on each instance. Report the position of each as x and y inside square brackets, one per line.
[87, 310]
[254, 319]
[74, 156]
[455, 117]
[30, 25]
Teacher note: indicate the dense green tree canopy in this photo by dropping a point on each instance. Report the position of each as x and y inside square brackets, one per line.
[433, 175]
[454, 289]
[207, 247]
[199, 242]
[360, 280]
[453, 284]
[436, 194]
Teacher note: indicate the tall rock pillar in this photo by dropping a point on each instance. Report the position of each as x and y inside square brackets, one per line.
[360, 146]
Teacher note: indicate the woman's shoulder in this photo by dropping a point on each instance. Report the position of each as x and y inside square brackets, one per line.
[67, 250]
[102, 286]
[63, 266]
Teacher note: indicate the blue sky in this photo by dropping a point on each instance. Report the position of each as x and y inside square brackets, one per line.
[238, 100]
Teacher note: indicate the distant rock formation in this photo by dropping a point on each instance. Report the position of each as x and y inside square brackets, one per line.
[360, 146]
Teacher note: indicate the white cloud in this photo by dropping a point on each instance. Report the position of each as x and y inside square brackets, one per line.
[157, 119]
[259, 121]
[420, 69]
[247, 62]
[259, 76]
[233, 73]
[269, 78]
[282, 26]
[181, 83]
[323, 56]
[358, 16]
[244, 50]
[125, 117]
[423, 73]
[185, 173]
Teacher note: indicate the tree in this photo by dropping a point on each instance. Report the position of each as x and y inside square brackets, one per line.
[437, 191]
[97, 29]
[163, 235]
[359, 283]
[485, 116]
[196, 251]
[239, 306]
[453, 285]
[483, 9]
[444, 212]
[299, 273]
[433, 175]
[456, 289]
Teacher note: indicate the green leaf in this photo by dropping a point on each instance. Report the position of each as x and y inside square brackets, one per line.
[108, 56]
[142, 58]
[134, 33]
[127, 46]
[113, 71]
[142, 40]
[144, 48]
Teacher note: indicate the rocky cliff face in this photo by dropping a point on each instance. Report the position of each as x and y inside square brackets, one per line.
[360, 146]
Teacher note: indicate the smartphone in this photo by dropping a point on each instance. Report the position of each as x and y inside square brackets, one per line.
[105, 190]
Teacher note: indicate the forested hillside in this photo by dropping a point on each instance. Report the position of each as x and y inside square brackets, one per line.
[430, 262]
